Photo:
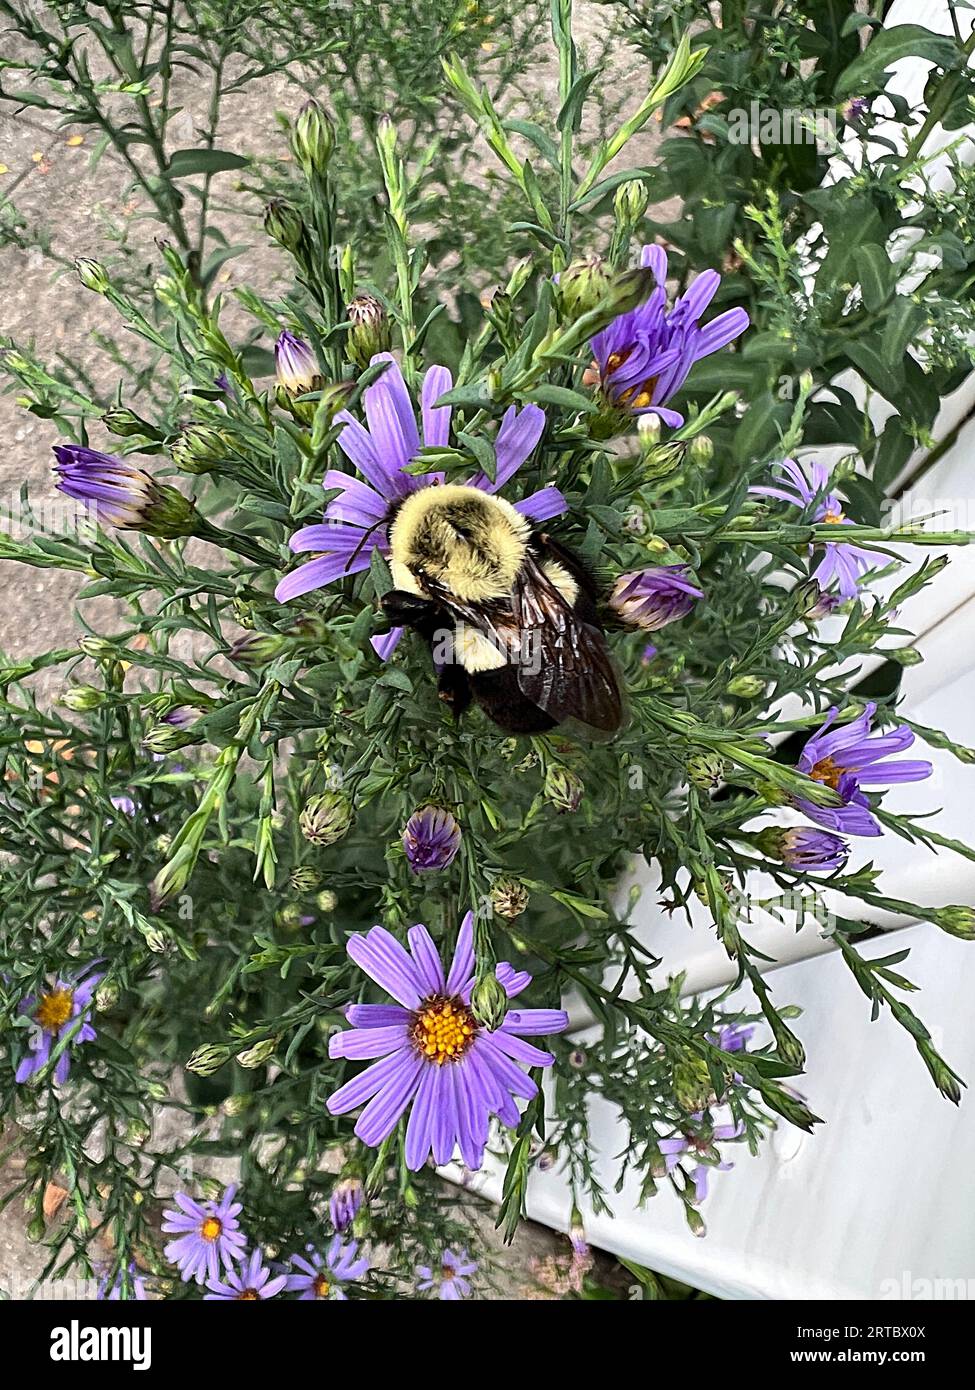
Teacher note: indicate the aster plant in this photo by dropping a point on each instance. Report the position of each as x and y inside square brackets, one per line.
[262, 884]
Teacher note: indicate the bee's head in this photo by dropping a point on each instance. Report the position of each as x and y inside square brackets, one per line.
[467, 540]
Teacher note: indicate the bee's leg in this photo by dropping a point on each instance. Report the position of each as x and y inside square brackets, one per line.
[410, 610]
[454, 688]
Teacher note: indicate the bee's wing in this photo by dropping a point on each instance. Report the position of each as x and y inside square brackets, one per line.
[565, 666]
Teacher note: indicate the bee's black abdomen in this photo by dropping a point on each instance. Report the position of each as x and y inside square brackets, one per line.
[498, 694]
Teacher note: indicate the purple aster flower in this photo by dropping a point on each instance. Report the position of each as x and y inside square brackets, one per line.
[842, 561]
[652, 598]
[648, 654]
[224, 384]
[295, 365]
[320, 1276]
[61, 1012]
[207, 1235]
[136, 1289]
[435, 1055]
[125, 804]
[813, 851]
[181, 717]
[431, 839]
[645, 355]
[449, 1278]
[733, 1037]
[850, 758]
[700, 1142]
[347, 1197]
[357, 521]
[249, 1282]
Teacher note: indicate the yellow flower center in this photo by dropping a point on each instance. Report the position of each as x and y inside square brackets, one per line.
[54, 1010]
[833, 518]
[827, 771]
[248, 1296]
[443, 1029]
[321, 1287]
[211, 1228]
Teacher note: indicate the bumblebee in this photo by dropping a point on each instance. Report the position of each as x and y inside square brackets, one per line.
[510, 615]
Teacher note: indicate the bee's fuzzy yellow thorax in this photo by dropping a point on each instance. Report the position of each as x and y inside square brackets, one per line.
[469, 541]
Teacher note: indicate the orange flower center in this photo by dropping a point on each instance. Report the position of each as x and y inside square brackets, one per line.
[827, 771]
[833, 518]
[443, 1029]
[249, 1296]
[54, 1009]
[321, 1287]
[211, 1228]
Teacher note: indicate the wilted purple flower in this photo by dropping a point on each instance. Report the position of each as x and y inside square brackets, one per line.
[59, 1013]
[320, 1276]
[125, 804]
[855, 109]
[124, 496]
[644, 356]
[207, 1234]
[842, 561]
[848, 759]
[181, 717]
[224, 384]
[648, 654]
[357, 521]
[652, 598]
[431, 839]
[434, 1054]
[295, 365]
[733, 1037]
[449, 1278]
[347, 1197]
[136, 1289]
[813, 851]
[825, 606]
[249, 1282]
[700, 1142]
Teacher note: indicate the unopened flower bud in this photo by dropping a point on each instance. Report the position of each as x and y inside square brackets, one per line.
[237, 1104]
[106, 996]
[304, 879]
[905, 656]
[257, 1055]
[295, 365]
[369, 332]
[326, 901]
[489, 1002]
[257, 648]
[121, 421]
[92, 275]
[631, 202]
[648, 429]
[583, 286]
[199, 449]
[313, 138]
[82, 698]
[662, 460]
[283, 224]
[509, 898]
[325, 819]
[701, 449]
[165, 738]
[956, 921]
[691, 1081]
[563, 788]
[706, 770]
[207, 1059]
[746, 687]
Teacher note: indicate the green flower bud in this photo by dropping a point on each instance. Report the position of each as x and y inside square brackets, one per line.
[583, 286]
[563, 788]
[169, 514]
[92, 275]
[313, 138]
[98, 648]
[121, 421]
[164, 738]
[82, 698]
[662, 460]
[289, 918]
[631, 202]
[509, 898]
[746, 687]
[257, 1055]
[162, 844]
[106, 996]
[304, 879]
[706, 770]
[648, 428]
[369, 332]
[691, 1081]
[325, 819]
[283, 224]
[208, 1058]
[701, 449]
[956, 921]
[695, 1221]
[326, 901]
[257, 648]
[237, 1104]
[198, 449]
[489, 1002]
[905, 656]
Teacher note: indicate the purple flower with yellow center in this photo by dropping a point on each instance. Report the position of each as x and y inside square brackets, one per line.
[850, 758]
[123, 496]
[295, 365]
[645, 355]
[652, 598]
[700, 1142]
[207, 1235]
[449, 1279]
[431, 839]
[347, 1197]
[842, 561]
[250, 1282]
[357, 521]
[59, 1013]
[434, 1054]
[322, 1276]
